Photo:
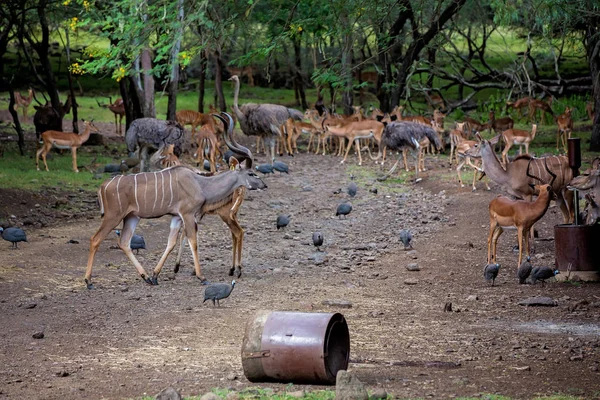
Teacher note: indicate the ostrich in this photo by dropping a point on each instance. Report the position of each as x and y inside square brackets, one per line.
[398, 135]
[262, 120]
[150, 133]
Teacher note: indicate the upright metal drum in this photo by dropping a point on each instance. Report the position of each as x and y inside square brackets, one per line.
[295, 347]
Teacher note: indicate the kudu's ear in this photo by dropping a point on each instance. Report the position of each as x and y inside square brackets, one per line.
[234, 164]
[478, 136]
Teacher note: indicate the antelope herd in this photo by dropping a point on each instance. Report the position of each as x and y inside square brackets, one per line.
[166, 188]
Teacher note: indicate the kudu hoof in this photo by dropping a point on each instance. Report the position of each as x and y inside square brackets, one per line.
[147, 280]
[176, 269]
[154, 280]
[231, 271]
[89, 285]
[204, 281]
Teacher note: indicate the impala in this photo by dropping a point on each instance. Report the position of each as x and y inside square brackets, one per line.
[181, 192]
[23, 102]
[461, 151]
[499, 125]
[519, 137]
[207, 139]
[118, 109]
[565, 127]
[589, 109]
[520, 214]
[535, 105]
[456, 136]
[357, 130]
[64, 140]
[519, 105]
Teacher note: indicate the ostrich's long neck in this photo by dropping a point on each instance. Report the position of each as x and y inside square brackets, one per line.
[236, 108]
[492, 166]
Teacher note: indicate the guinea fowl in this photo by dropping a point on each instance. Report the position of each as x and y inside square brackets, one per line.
[524, 270]
[283, 221]
[352, 188]
[490, 272]
[542, 273]
[343, 209]
[317, 240]
[137, 242]
[281, 167]
[265, 168]
[405, 238]
[218, 291]
[13, 235]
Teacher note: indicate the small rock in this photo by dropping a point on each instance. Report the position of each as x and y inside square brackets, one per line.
[231, 377]
[29, 306]
[210, 396]
[498, 358]
[522, 369]
[232, 396]
[413, 267]
[576, 358]
[337, 303]
[539, 301]
[38, 335]
[287, 236]
[168, 393]
[348, 387]
[379, 394]
[448, 307]
[73, 241]
[298, 394]
[472, 298]
[410, 282]
[63, 374]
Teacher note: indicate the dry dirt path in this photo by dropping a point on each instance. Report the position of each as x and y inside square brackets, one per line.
[126, 339]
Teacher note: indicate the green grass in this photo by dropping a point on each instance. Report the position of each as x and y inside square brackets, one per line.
[19, 172]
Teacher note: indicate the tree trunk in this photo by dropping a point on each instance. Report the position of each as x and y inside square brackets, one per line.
[174, 78]
[202, 83]
[298, 80]
[70, 78]
[148, 107]
[347, 95]
[593, 50]
[431, 53]
[219, 80]
[15, 117]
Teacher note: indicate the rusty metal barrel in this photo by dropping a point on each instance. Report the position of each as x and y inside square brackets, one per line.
[295, 347]
[576, 253]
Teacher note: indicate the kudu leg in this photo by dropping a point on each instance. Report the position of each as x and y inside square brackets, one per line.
[174, 231]
[237, 236]
[191, 231]
[182, 241]
[129, 224]
[105, 228]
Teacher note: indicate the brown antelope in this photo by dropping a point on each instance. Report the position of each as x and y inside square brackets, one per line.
[190, 117]
[247, 71]
[519, 105]
[434, 100]
[565, 127]
[506, 213]
[181, 192]
[64, 140]
[535, 105]
[499, 125]
[207, 138]
[472, 125]
[456, 136]
[118, 109]
[461, 151]
[168, 157]
[229, 214]
[419, 119]
[519, 137]
[525, 171]
[354, 131]
[23, 102]
[293, 130]
[589, 108]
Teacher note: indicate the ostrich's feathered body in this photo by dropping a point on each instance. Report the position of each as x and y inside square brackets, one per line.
[154, 133]
[265, 119]
[399, 134]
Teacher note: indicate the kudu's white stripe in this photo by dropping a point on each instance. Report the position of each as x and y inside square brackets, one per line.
[119, 193]
[135, 192]
[170, 188]
[162, 185]
[145, 190]
[155, 191]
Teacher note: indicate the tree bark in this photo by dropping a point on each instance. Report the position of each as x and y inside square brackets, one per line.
[174, 79]
[148, 107]
[593, 52]
[202, 83]
[15, 117]
[298, 80]
[219, 80]
[347, 95]
[70, 78]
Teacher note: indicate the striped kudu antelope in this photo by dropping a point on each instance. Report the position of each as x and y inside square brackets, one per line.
[181, 192]
[524, 171]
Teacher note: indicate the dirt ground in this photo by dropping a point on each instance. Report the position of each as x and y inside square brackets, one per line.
[126, 339]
